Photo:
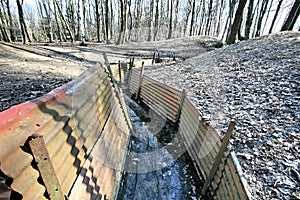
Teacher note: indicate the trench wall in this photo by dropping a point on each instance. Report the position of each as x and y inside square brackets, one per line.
[216, 166]
[85, 136]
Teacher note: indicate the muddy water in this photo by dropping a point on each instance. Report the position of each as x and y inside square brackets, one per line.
[151, 170]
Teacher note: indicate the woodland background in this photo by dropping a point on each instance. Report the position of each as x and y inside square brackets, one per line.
[119, 21]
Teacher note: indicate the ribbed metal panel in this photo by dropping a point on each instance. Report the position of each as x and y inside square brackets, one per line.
[71, 119]
[202, 141]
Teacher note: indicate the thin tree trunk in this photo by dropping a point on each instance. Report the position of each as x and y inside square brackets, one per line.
[209, 17]
[171, 20]
[64, 20]
[97, 20]
[3, 25]
[156, 20]
[220, 18]
[202, 18]
[176, 18]
[188, 12]
[150, 20]
[193, 17]
[58, 23]
[237, 21]
[249, 20]
[261, 16]
[130, 20]
[78, 35]
[11, 30]
[267, 17]
[107, 21]
[111, 20]
[24, 31]
[230, 17]
[122, 22]
[84, 32]
[49, 26]
[292, 17]
[275, 16]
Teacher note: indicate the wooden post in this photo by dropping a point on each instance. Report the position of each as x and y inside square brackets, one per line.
[110, 72]
[120, 72]
[123, 105]
[174, 58]
[153, 58]
[45, 167]
[218, 158]
[182, 98]
[140, 82]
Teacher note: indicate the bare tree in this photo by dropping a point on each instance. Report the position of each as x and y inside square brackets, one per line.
[193, 17]
[260, 18]
[156, 20]
[26, 37]
[171, 19]
[276, 15]
[249, 19]
[292, 17]
[10, 21]
[122, 22]
[97, 20]
[151, 6]
[237, 21]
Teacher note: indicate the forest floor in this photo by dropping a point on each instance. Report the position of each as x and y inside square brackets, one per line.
[254, 82]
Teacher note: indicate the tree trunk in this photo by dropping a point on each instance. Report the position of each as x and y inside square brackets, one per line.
[130, 20]
[107, 21]
[4, 24]
[188, 12]
[11, 30]
[237, 21]
[111, 20]
[193, 17]
[202, 18]
[275, 16]
[156, 20]
[122, 22]
[64, 20]
[171, 20]
[78, 35]
[261, 16]
[176, 17]
[58, 23]
[292, 17]
[49, 24]
[209, 17]
[229, 19]
[249, 19]
[24, 30]
[97, 20]
[220, 18]
[150, 20]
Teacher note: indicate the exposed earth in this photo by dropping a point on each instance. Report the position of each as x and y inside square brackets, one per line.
[255, 82]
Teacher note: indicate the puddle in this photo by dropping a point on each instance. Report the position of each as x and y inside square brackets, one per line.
[151, 171]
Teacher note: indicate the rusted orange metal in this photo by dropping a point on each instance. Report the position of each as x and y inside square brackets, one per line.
[44, 164]
[71, 120]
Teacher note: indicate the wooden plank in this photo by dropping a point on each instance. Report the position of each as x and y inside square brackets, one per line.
[218, 158]
[41, 156]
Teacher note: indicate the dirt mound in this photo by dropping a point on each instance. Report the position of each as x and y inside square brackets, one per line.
[256, 83]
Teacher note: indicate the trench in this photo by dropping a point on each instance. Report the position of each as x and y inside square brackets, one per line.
[151, 171]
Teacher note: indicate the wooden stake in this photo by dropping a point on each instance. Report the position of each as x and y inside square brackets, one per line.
[140, 82]
[218, 158]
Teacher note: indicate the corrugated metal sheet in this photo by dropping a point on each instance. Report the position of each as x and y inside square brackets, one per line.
[159, 97]
[72, 119]
[202, 141]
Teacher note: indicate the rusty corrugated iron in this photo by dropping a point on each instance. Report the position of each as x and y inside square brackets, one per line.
[72, 120]
[202, 142]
